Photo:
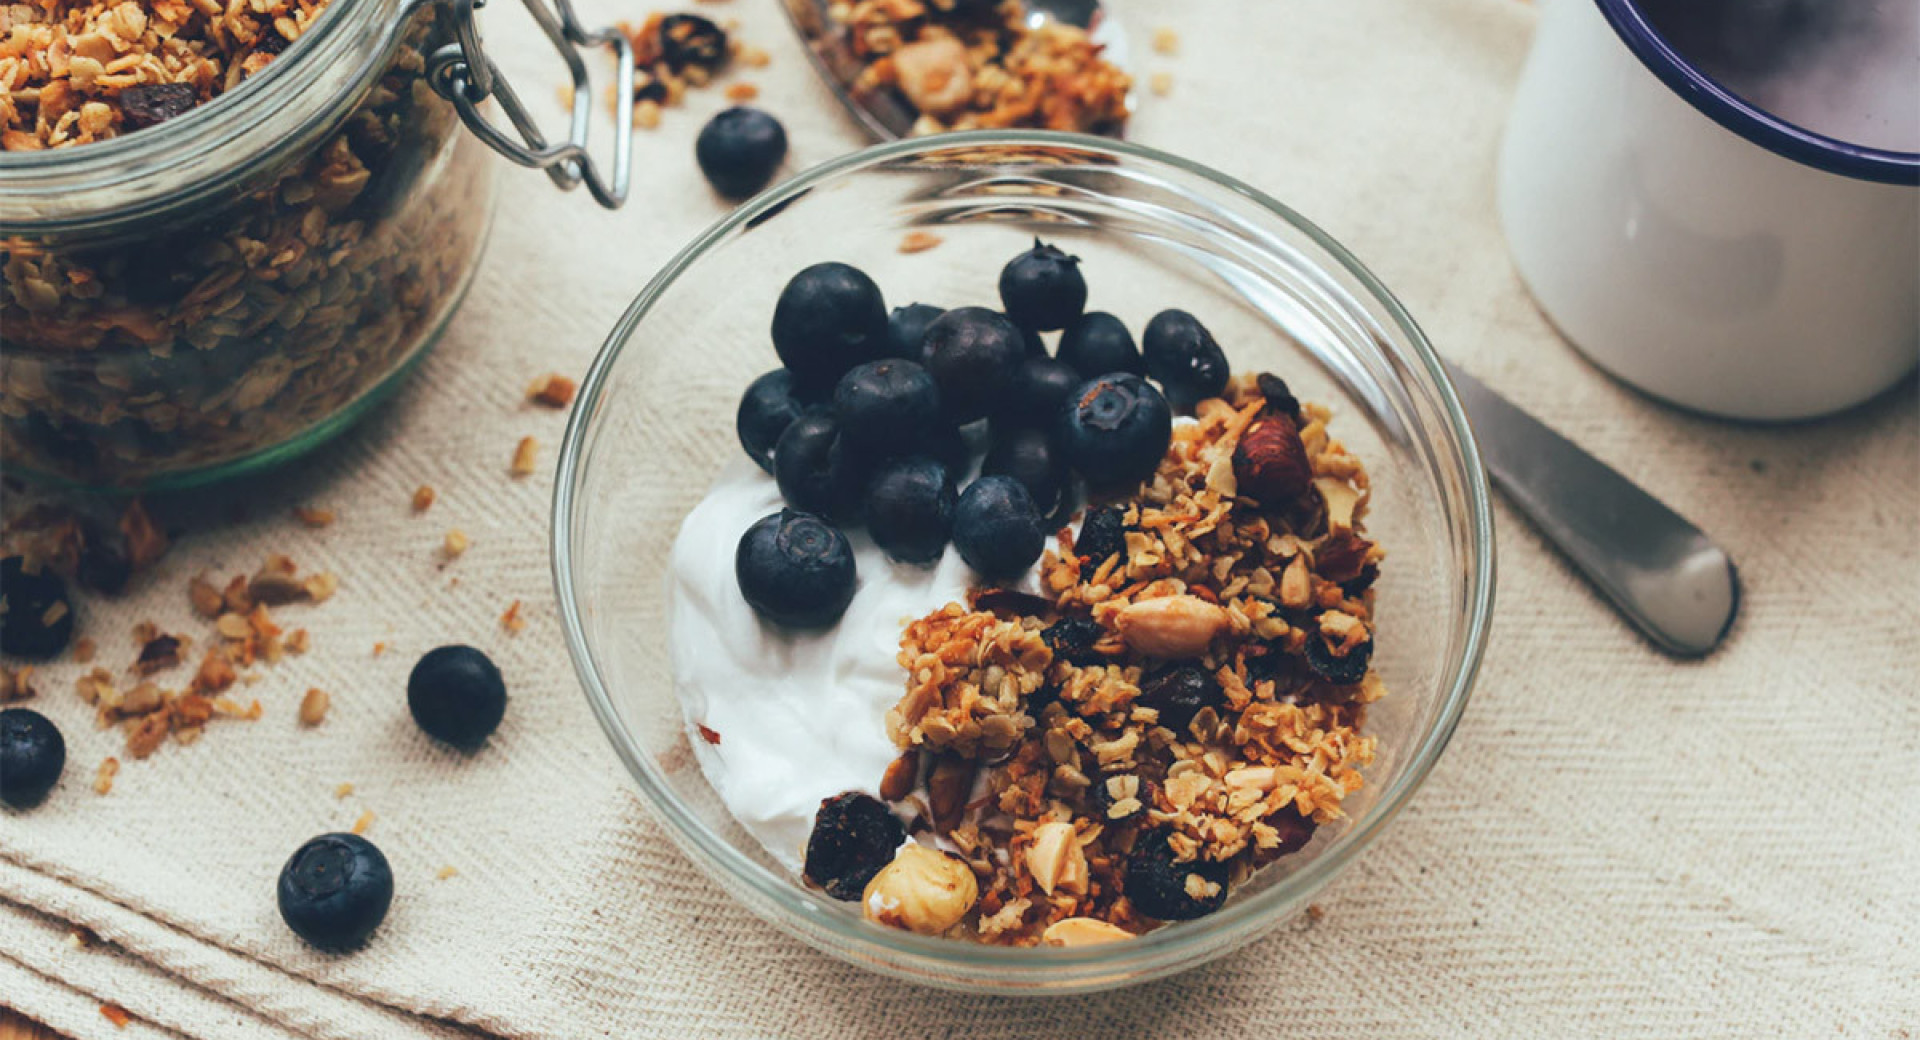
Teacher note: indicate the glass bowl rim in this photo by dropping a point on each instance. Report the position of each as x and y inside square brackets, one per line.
[1232, 924]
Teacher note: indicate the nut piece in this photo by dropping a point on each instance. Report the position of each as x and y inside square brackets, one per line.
[949, 783]
[1083, 931]
[313, 707]
[898, 780]
[1270, 462]
[921, 891]
[1171, 627]
[933, 74]
[423, 498]
[525, 455]
[1056, 860]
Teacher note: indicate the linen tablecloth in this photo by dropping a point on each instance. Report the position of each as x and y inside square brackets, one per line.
[1616, 844]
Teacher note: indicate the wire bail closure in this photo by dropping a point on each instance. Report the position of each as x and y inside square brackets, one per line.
[462, 73]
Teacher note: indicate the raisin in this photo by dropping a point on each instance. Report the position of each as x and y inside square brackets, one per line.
[1102, 534]
[146, 104]
[1038, 700]
[1274, 666]
[1279, 398]
[1295, 831]
[104, 566]
[1157, 885]
[690, 40]
[1341, 671]
[1179, 694]
[854, 836]
[1103, 801]
[1071, 639]
[1361, 582]
[648, 86]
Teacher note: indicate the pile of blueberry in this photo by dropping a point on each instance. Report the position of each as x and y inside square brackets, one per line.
[871, 418]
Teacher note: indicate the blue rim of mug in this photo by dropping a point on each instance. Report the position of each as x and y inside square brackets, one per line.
[1763, 128]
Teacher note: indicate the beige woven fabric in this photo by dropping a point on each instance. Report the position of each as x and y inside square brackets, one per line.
[1615, 845]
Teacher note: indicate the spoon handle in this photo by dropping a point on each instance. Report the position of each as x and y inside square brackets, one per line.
[1660, 571]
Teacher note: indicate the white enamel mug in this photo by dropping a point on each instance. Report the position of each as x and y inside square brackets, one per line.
[1698, 247]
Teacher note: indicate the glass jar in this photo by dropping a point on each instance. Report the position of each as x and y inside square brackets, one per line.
[227, 289]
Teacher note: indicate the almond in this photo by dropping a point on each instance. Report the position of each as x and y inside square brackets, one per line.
[1270, 462]
[898, 780]
[1171, 627]
[1083, 931]
[1056, 860]
[949, 783]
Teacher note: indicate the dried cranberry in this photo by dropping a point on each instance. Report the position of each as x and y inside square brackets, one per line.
[690, 40]
[145, 104]
[1102, 534]
[854, 836]
[1071, 639]
[1179, 694]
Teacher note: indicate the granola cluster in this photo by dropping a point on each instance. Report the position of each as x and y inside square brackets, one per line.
[78, 71]
[1185, 701]
[159, 349]
[972, 65]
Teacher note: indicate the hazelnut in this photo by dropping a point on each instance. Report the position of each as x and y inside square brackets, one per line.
[933, 74]
[1270, 463]
[1082, 931]
[1056, 860]
[922, 891]
[1171, 627]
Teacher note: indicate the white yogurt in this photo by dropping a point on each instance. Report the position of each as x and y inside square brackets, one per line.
[801, 715]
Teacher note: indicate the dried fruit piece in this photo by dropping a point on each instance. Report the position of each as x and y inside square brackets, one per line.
[854, 837]
[1339, 670]
[1103, 534]
[1161, 887]
[1072, 639]
[1179, 694]
[145, 104]
[921, 890]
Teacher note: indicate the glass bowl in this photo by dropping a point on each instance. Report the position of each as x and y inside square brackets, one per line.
[654, 424]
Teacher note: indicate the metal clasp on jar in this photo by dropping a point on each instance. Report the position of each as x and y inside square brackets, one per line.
[462, 73]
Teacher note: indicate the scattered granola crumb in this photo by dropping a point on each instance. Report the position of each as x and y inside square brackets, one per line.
[524, 455]
[103, 776]
[444, 873]
[511, 620]
[379, 648]
[81, 937]
[646, 115]
[145, 543]
[1316, 912]
[740, 93]
[207, 601]
[313, 707]
[16, 685]
[1161, 83]
[553, 390]
[755, 57]
[116, 1014]
[365, 821]
[456, 542]
[1166, 40]
[342, 790]
[919, 241]
[298, 641]
[320, 587]
[423, 498]
[83, 651]
[313, 517]
[711, 736]
[158, 651]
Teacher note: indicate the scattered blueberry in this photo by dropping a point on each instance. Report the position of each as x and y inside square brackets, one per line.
[887, 407]
[795, 569]
[690, 40]
[1099, 343]
[1072, 638]
[37, 619]
[1182, 355]
[766, 410]
[456, 695]
[910, 505]
[739, 149]
[104, 566]
[1178, 694]
[997, 529]
[854, 836]
[32, 754]
[1028, 456]
[1040, 391]
[335, 891]
[907, 329]
[818, 472]
[972, 353]
[1102, 534]
[1157, 885]
[830, 317]
[1115, 430]
[1341, 671]
[1042, 288]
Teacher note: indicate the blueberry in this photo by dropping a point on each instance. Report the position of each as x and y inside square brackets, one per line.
[1156, 885]
[973, 354]
[335, 891]
[1036, 347]
[456, 695]
[37, 619]
[32, 754]
[795, 569]
[1028, 455]
[1042, 288]
[949, 447]
[818, 472]
[1182, 355]
[739, 149]
[1340, 671]
[1040, 391]
[887, 407]
[104, 566]
[830, 317]
[1099, 343]
[907, 329]
[1102, 534]
[1116, 429]
[910, 504]
[997, 529]
[1072, 638]
[766, 410]
[854, 836]
[1179, 694]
